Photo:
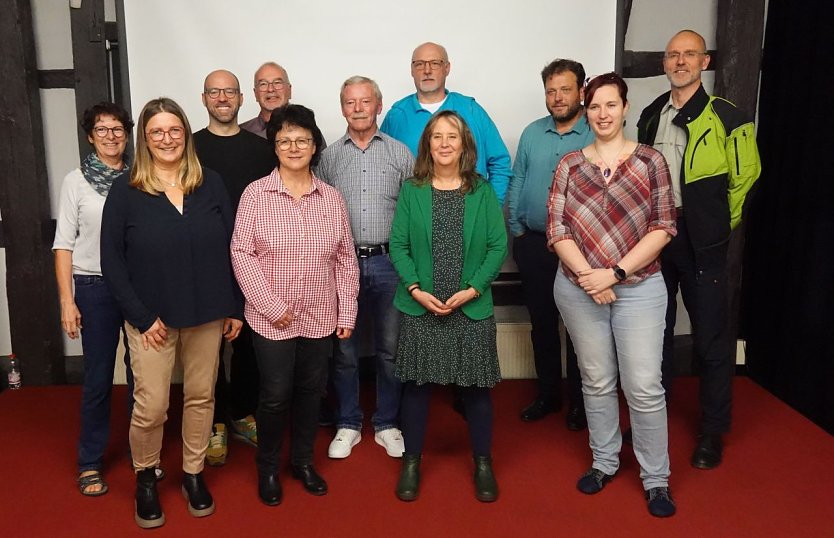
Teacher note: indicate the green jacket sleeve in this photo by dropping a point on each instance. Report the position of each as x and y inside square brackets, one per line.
[745, 168]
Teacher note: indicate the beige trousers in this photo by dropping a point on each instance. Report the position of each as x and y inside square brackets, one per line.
[199, 351]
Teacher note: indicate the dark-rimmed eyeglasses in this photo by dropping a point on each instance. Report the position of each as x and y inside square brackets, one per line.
[421, 64]
[284, 144]
[158, 135]
[102, 131]
[214, 93]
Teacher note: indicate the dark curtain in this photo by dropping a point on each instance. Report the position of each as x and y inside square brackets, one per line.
[787, 310]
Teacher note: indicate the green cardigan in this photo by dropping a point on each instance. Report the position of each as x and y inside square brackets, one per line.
[484, 244]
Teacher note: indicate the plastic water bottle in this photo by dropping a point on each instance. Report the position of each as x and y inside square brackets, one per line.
[14, 372]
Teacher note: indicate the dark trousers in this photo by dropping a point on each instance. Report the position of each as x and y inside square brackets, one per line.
[415, 413]
[702, 279]
[538, 266]
[292, 377]
[102, 326]
[238, 397]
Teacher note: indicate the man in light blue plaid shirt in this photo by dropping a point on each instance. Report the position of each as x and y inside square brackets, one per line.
[368, 167]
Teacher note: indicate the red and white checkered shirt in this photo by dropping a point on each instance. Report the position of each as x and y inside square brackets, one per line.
[607, 220]
[297, 255]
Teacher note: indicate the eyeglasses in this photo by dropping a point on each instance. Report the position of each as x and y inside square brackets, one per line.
[158, 135]
[263, 85]
[421, 64]
[687, 54]
[214, 93]
[284, 144]
[101, 131]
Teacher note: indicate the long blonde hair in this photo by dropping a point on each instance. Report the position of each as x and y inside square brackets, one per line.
[142, 174]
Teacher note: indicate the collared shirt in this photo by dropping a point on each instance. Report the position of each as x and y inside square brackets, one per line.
[295, 255]
[256, 125]
[671, 142]
[369, 180]
[607, 220]
[407, 119]
[539, 150]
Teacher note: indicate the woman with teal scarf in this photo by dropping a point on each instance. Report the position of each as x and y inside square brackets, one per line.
[91, 311]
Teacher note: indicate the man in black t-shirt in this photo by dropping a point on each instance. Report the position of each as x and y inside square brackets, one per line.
[240, 158]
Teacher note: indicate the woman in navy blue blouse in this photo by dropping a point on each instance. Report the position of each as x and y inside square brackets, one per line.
[165, 256]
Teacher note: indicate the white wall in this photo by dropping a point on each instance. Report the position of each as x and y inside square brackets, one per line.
[496, 49]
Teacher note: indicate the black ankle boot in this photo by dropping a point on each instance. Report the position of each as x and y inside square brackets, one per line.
[486, 488]
[200, 503]
[409, 482]
[148, 510]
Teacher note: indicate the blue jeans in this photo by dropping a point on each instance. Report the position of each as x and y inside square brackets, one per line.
[624, 337]
[377, 285]
[101, 322]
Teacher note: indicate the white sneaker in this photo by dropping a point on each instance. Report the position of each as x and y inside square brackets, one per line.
[392, 440]
[343, 443]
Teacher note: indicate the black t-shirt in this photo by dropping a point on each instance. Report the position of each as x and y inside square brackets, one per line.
[239, 159]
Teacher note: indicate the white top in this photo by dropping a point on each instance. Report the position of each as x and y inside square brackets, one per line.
[79, 224]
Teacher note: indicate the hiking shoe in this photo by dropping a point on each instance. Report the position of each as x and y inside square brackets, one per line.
[217, 446]
[245, 430]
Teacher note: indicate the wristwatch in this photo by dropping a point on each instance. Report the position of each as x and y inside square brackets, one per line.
[619, 273]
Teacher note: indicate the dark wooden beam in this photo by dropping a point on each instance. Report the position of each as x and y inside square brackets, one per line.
[89, 53]
[49, 79]
[645, 64]
[739, 35]
[34, 319]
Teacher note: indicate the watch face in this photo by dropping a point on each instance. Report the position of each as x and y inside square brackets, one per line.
[619, 273]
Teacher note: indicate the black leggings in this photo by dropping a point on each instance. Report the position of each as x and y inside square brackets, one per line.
[415, 412]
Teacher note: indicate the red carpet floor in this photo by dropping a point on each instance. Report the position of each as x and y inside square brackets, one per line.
[776, 479]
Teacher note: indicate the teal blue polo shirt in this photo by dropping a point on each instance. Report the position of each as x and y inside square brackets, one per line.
[539, 151]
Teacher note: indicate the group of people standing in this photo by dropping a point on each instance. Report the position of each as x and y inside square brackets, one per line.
[292, 250]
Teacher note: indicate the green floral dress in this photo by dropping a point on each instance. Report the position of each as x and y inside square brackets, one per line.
[451, 349]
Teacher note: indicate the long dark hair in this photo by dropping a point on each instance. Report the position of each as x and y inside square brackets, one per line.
[424, 165]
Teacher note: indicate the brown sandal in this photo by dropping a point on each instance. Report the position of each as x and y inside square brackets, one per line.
[93, 479]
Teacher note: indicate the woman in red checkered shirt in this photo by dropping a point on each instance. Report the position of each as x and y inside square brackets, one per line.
[294, 259]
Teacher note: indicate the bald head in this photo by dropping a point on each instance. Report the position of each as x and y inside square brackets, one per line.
[272, 88]
[433, 49]
[221, 78]
[690, 35]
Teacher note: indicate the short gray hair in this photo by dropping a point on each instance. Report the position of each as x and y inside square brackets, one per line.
[358, 79]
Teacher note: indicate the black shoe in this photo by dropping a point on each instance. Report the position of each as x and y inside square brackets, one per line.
[200, 503]
[707, 454]
[575, 419]
[593, 481]
[538, 409]
[308, 476]
[409, 483]
[486, 488]
[269, 489]
[148, 510]
[660, 502]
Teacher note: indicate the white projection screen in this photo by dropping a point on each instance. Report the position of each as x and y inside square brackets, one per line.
[497, 49]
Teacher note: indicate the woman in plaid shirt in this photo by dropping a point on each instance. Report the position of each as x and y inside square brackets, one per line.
[610, 213]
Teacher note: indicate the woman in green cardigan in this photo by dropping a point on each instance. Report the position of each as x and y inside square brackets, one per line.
[448, 242]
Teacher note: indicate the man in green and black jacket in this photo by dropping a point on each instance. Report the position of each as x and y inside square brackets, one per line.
[712, 147]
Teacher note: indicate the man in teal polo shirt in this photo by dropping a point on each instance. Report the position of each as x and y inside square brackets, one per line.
[542, 145]
[408, 117]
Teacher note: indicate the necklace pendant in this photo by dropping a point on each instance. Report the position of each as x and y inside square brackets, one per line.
[606, 173]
